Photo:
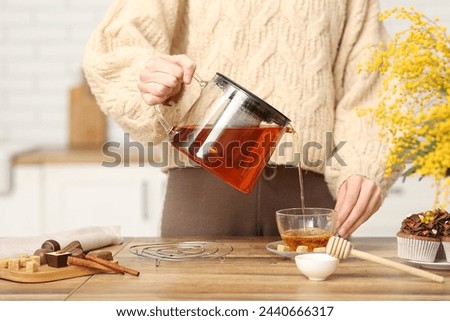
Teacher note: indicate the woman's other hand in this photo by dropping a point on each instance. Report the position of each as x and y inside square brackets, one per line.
[357, 200]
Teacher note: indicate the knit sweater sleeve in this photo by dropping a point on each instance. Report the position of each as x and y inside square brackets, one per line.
[131, 32]
[359, 148]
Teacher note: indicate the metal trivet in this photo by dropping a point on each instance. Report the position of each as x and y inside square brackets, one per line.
[182, 251]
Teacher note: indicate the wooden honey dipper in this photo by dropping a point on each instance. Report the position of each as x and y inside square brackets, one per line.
[342, 249]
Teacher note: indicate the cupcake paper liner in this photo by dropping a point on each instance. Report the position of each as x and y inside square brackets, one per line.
[417, 250]
[446, 246]
[440, 256]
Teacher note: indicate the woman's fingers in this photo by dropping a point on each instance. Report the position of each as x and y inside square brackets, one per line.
[187, 65]
[163, 76]
[358, 199]
[347, 198]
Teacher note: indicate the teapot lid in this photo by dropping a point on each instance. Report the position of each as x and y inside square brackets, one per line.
[256, 105]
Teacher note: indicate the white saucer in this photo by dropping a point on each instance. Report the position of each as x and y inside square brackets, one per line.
[272, 247]
[439, 265]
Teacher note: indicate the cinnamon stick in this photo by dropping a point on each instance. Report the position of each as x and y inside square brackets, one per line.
[112, 265]
[72, 260]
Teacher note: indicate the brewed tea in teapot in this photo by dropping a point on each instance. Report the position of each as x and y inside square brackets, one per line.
[229, 131]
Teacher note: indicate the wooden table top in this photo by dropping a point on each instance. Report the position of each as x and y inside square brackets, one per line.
[249, 272]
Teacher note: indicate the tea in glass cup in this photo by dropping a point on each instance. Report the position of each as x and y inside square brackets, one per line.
[308, 227]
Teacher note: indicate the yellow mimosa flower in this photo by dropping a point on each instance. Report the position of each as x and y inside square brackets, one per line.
[414, 100]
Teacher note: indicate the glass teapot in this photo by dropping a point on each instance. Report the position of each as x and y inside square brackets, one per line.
[228, 131]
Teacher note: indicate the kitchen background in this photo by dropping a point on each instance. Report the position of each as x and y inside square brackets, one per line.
[58, 188]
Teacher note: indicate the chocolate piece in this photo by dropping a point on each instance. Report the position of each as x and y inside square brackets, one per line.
[52, 245]
[74, 248]
[103, 254]
[41, 253]
[78, 253]
[56, 259]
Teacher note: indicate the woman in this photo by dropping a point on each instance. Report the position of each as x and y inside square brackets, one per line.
[299, 56]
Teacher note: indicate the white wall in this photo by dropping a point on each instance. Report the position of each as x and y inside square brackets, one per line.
[41, 45]
[431, 8]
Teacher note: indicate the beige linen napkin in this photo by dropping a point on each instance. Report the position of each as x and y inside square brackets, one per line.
[90, 238]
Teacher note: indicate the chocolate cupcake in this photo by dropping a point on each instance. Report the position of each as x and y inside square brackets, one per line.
[444, 232]
[418, 238]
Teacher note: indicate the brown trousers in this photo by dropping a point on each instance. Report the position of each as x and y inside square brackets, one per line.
[199, 204]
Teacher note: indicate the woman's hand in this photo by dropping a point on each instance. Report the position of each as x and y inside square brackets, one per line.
[357, 200]
[163, 76]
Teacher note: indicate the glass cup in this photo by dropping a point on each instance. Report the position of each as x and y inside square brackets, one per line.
[310, 228]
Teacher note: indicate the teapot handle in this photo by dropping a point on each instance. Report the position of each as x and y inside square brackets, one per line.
[200, 81]
[167, 127]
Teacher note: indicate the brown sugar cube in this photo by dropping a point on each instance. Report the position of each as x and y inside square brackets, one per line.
[4, 263]
[31, 267]
[14, 264]
[36, 258]
[283, 248]
[302, 249]
[23, 261]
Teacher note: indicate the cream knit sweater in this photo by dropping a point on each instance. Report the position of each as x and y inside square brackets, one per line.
[301, 56]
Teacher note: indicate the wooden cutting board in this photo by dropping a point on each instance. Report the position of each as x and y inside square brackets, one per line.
[46, 274]
[87, 128]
